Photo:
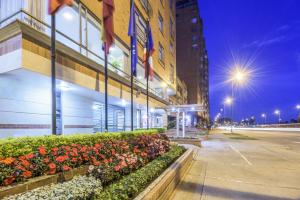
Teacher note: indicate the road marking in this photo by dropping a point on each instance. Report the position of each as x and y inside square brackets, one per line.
[297, 142]
[237, 151]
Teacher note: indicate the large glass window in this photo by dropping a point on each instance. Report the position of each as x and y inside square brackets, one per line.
[67, 22]
[8, 8]
[94, 42]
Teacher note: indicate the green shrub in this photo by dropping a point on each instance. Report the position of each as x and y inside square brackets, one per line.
[14, 147]
[130, 186]
[159, 130]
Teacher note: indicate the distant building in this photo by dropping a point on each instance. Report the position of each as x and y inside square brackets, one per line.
[192, 60]
[181, 93]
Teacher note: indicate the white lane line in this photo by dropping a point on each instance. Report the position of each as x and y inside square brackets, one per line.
[297, 142]
[237, 151]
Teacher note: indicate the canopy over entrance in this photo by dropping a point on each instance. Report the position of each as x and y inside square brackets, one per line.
[178, 109]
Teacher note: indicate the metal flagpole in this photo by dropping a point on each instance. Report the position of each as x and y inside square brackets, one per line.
[147, 64]
[53, 74]
[106, 80]
[131, 81]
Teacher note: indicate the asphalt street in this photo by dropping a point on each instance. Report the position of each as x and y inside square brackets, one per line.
[264, 169]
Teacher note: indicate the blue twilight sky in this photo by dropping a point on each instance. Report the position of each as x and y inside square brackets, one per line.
[264, 35]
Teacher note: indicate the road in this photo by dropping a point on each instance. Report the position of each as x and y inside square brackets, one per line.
[264, 169]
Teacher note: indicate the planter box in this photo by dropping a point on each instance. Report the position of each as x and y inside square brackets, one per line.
[41, 181]
[163, 187]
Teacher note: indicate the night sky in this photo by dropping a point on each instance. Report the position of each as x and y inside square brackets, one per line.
[264, 36]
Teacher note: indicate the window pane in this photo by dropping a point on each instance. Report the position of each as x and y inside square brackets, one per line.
[67, 22]
[94, 36]
[116, 58]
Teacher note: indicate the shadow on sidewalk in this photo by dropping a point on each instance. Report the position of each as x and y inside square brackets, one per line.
[212, 191]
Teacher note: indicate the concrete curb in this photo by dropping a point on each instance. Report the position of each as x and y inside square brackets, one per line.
[163, 187]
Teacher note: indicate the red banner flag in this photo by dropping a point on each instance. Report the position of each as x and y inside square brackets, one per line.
[55, 5]
[108, 24]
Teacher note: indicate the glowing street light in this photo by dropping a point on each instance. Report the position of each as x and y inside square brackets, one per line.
[228, 101]
[298, 106]
[277, 112]
[239, 75]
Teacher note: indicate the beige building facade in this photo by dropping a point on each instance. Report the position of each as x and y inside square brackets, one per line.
[25, 89]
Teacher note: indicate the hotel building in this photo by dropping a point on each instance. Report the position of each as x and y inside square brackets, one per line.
[25, 67]
[192, 61]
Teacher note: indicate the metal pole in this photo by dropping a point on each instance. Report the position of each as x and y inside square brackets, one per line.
[265, 119]
[177, 123]
[147, 65]
[231, 108]
[131, 81]
[53, 74]
[183, 124]
[106, 98]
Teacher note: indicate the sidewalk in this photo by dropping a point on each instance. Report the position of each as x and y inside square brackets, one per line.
[191, 187]
[240, 170]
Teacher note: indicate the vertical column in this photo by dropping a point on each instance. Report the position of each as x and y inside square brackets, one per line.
[183, 124]
[177, 123]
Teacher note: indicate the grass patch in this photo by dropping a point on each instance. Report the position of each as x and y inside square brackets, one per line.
[236, 136]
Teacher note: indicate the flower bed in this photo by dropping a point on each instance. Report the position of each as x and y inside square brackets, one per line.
[90, 188]
[130, 186]
[14, 147]
[115, 157]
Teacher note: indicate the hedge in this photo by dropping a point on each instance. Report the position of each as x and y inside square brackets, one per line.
[131, 185]
[14, 147]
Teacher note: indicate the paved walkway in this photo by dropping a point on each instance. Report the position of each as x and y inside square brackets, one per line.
[223, 168]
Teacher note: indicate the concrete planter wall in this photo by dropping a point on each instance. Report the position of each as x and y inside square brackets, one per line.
[163, 187]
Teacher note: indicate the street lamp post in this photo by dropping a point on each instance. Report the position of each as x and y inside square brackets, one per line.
[239, 76]
[265, 117]
[229, 102]
[298, 108]
[277, 112]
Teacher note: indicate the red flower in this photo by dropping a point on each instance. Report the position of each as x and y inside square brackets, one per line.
[42, 151]
[113, 152]
[29, 156]
[27, 174]
[117, 168]
[61, 159]
[96, 163]
[25, 163]
[22, 157]
[105, 161]
[66, 168]
[46, 160]
[52, 168]
[8, 181]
